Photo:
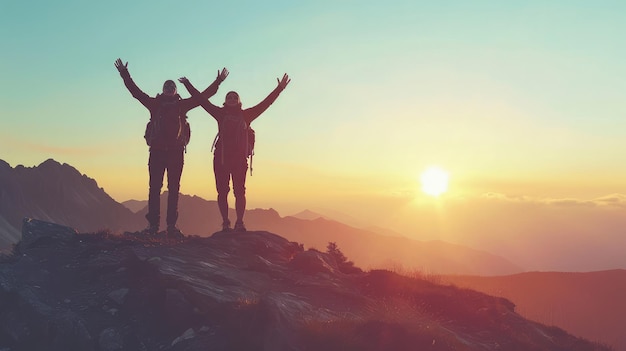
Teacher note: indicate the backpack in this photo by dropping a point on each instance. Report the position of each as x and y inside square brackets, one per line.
[185, 134]
[167, 127]
[235, 137]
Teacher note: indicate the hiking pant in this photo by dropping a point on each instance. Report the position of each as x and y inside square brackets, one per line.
[225, 169]
[160, 161]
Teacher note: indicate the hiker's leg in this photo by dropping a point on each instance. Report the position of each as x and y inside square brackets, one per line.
[240, 169]
[156, 168]
[175, 162]
[222, 178]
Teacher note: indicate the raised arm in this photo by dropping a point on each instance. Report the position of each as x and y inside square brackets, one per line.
[212, 89]
[252, 113]
[195, 101]
[197, 98]
[130, 84]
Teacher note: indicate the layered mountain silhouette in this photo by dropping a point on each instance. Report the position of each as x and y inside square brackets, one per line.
[135, 205]
[59, 193]
[366, 248]
[64, 290]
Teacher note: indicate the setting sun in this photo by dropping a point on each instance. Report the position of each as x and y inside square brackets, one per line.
[434, 181]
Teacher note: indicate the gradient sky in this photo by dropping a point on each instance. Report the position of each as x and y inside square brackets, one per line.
[523, 100]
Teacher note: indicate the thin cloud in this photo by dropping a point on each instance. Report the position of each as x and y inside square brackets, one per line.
[618, 200]
[615, 200]
[505, 197]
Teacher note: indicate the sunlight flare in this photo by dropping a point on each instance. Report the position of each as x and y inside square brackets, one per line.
[434, 181]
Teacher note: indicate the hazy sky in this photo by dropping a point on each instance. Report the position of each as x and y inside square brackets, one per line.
[521, 99]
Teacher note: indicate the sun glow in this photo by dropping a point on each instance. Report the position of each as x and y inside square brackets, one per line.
[434, 181]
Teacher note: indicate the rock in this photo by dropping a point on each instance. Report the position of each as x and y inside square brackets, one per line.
[188, 334]
[118, 295]
[313, 261]
[236, 291]
[34, 230]
[110, 340]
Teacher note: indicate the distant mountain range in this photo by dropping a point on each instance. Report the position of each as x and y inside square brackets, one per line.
[135, 205]
[367, 248]
[59, 193]
[56, 193]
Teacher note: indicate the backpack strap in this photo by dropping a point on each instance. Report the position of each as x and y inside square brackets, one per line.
[251, 163]
[214, 142]
[248, 146]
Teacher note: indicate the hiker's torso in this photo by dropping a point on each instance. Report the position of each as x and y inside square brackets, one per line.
[233, 131]
[167, 113]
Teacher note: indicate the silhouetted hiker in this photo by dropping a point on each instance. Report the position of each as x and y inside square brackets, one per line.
[167, 135]
[232, 149]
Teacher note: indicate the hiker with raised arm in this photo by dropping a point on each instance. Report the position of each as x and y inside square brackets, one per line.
[233, 146]
[167, 135]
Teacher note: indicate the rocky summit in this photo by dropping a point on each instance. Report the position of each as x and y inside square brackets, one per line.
[64, 290]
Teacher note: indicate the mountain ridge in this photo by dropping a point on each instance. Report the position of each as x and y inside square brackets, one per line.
[589, 304]
[367, 248]
[65, 290]
[59, 193]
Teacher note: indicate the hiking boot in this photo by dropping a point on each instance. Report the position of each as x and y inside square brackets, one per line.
[150, 231]
[174, 233]
[239, 227]
[226, 226]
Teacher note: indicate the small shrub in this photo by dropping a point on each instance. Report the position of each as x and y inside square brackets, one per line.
[344, 265]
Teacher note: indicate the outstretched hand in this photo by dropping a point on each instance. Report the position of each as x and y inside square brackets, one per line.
[183, 80]
[282, 83]
[222, 75]
[121, 66]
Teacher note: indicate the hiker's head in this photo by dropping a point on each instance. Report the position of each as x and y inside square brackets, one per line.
[232, 99]
[169, 88]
